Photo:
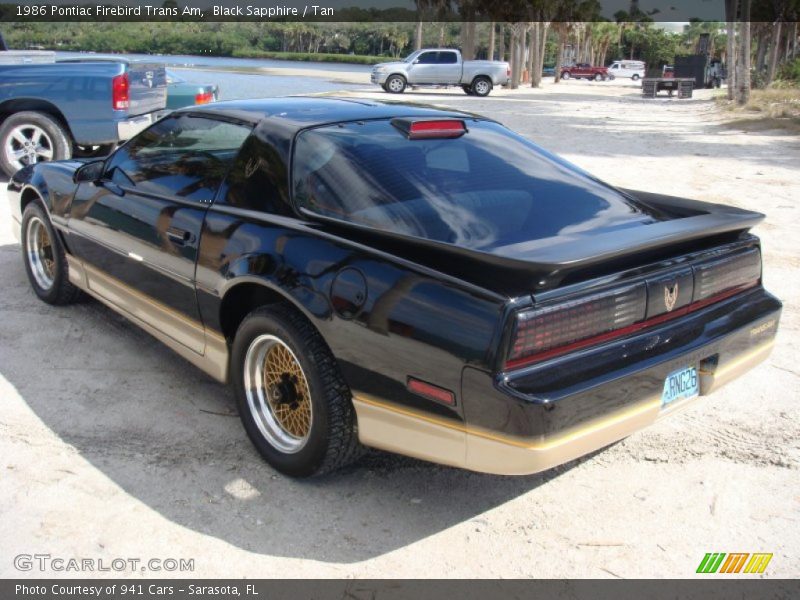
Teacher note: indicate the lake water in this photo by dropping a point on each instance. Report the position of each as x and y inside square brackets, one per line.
[234, 86]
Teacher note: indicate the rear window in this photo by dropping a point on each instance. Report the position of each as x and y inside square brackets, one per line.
[486, 189]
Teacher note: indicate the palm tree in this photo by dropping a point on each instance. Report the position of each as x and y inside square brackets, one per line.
[730, 16]
[743, 58]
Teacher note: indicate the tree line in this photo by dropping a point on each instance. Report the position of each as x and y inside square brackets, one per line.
[756, 53]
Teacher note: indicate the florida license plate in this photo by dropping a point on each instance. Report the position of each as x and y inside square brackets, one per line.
[680, 385]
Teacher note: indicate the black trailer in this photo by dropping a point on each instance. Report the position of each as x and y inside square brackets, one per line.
[652, 85]
[706, 72]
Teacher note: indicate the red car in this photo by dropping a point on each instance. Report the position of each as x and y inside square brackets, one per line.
[586, 71]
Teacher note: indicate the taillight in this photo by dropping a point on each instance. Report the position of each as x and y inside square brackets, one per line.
[204, 98]
[738, 271]
[120, 92]
[543, 333]
[424, 130]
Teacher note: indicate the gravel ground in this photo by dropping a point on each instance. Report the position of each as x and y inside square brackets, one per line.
[111, 446]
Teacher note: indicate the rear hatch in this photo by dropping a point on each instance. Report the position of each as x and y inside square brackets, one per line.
[148, 87]
[472, 200]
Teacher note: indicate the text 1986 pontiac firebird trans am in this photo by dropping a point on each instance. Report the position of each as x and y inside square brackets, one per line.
[407, 278]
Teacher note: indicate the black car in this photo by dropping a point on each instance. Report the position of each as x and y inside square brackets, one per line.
[402, 277]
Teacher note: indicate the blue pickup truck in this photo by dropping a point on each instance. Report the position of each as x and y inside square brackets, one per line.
[55, 110]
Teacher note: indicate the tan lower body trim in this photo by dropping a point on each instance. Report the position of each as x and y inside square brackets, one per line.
[741, 363]
[202, 347]
[397, 429]
[389, 427]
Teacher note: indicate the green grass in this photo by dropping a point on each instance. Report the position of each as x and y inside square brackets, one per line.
[773, 108]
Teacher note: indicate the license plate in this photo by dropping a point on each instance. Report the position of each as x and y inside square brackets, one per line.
[680, 385]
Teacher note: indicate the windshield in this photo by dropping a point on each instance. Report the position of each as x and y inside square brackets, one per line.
[487, 189]
[411, 57]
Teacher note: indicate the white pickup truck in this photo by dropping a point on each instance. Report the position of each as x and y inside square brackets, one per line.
[441, 67]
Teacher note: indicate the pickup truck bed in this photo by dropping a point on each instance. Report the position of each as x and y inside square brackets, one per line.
[652, 85]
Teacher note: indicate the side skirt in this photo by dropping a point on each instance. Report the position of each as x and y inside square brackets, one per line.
[155, 318]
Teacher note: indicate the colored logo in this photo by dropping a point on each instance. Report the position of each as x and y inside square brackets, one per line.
[670, 296]
[735, 562]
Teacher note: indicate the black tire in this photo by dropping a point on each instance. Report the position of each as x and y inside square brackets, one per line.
[60, 290]
[395, 84]
[332, 440]
[598, 77]
[565, 75]
[481, 86]
[57, 140]
[635, 77]
[467, 90]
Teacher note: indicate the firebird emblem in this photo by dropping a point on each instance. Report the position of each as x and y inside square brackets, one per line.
[670, 296]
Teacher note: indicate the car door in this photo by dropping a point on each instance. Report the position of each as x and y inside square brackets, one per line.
[137, 230]
[425, 68]
[449, 70]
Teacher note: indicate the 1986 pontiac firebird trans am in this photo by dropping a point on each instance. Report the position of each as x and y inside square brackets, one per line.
[402, 277]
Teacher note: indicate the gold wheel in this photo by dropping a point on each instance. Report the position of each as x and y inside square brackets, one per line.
[288, 392]
[40, 253]
[277, 393]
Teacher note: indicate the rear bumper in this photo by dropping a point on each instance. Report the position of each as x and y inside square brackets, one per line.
[110, 127]
[509, 456]
[128, 128]
[549, 414]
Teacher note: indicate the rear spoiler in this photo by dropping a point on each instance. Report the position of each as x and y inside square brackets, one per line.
[536, 266]
[687, 221]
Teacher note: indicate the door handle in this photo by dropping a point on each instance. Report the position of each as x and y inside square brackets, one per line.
[179, 236]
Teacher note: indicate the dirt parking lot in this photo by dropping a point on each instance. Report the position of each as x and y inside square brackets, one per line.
[112, 446]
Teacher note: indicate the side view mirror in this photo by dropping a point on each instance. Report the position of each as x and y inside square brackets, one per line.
[89, 172]
[416, 62]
